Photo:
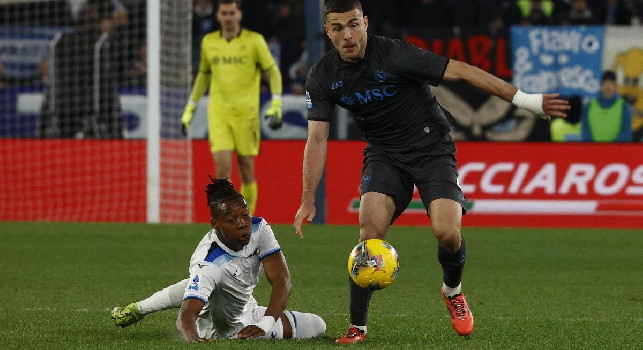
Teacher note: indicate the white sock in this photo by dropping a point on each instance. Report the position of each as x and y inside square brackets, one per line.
[167, 298]
[361, 328]
[449, 292]
[305, 325]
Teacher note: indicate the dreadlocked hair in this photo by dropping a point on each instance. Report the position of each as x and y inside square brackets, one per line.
[220, 190]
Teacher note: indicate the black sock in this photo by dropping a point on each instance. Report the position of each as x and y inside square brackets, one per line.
[360, 298]
[452, 264]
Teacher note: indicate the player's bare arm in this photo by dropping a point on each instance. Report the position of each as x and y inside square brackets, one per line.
[551, 106]
[186, 321]
[278, 276]
[314, 160]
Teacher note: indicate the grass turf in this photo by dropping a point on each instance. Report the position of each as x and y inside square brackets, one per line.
[528, 288]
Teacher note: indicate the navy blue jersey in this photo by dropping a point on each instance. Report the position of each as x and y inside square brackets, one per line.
[387, 92]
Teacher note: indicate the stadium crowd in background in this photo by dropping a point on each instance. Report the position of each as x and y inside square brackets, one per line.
[607, 117]
[281, 22]
[81, 99]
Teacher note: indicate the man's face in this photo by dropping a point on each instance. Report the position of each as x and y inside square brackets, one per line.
[233, 223]
[229, 17]
[608, 88]
[347, 31]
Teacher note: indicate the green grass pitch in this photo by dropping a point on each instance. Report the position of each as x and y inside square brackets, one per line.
[528, 288]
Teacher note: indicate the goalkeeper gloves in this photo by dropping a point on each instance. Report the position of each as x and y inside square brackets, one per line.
[274, 113]
[186, 118]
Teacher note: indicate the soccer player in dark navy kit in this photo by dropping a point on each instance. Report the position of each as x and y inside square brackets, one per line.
[385, 84]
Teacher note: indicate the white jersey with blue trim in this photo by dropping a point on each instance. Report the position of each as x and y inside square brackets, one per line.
[224, 279]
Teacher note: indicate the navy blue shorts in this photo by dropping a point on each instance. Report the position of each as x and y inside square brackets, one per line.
[433, 171]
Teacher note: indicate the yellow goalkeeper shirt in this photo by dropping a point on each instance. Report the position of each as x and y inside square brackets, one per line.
[234, 68]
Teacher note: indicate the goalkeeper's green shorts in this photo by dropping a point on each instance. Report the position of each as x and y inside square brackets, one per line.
[242, 135]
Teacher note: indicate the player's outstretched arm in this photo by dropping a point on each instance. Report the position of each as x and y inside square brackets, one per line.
[200, 86]
[186, 321]
[543, 105]
[314, 161]
[274, 113]
[278, 276]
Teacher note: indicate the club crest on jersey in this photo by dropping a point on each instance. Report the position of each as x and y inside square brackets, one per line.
[380, 76]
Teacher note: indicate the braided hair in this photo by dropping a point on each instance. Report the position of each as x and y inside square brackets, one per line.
[219, 191]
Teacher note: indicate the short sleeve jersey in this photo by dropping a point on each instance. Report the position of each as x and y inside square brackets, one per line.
[224, 279]
[235, 67]
[387, 93]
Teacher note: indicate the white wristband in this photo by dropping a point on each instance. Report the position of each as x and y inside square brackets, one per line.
[530, 102]
[276, 97]
[266, 323]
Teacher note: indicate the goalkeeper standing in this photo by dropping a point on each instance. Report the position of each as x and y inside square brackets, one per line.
[232, 60]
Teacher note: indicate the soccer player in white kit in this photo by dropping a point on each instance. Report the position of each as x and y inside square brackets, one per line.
[216, 301]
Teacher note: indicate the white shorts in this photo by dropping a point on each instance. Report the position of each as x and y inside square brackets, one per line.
[254, 313]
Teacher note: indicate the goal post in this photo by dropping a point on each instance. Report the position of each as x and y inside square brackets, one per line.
[153, 111]
[91, 96]
[175, 83]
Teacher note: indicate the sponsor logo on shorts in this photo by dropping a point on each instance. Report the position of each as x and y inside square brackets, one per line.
[366, 179]
[194, 285]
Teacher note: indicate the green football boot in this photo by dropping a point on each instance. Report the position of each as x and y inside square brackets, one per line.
[126, 316]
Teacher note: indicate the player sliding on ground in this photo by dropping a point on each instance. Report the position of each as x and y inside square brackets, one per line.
[216, 301]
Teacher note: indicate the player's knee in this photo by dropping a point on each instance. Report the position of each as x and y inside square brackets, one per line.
[307, 325]
[448, 236]
[370, 229]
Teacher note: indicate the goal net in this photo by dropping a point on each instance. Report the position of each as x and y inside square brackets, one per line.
[76, 134]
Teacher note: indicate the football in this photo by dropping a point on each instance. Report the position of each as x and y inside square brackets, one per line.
[373, 264]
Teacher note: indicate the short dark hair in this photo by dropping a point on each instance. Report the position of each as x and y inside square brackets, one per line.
[341, 6]
[608, 75]
[220, 190]
[226, 2]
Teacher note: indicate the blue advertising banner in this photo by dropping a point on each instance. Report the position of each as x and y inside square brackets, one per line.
[23, 48]
[558, 59]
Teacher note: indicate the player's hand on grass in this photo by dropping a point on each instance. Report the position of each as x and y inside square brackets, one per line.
[251, 331]
[194, 338]
[203, 340]
[186, 118]
[274, 114]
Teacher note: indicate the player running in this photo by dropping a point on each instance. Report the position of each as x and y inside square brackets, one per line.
[385, 83]
[216, 301]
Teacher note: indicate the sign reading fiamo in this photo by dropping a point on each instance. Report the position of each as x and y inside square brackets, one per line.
[527, 184]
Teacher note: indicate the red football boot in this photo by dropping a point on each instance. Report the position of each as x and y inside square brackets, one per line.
[354, 335]
[461, 316]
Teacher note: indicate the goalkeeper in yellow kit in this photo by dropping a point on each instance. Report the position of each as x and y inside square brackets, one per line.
[232, 61]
